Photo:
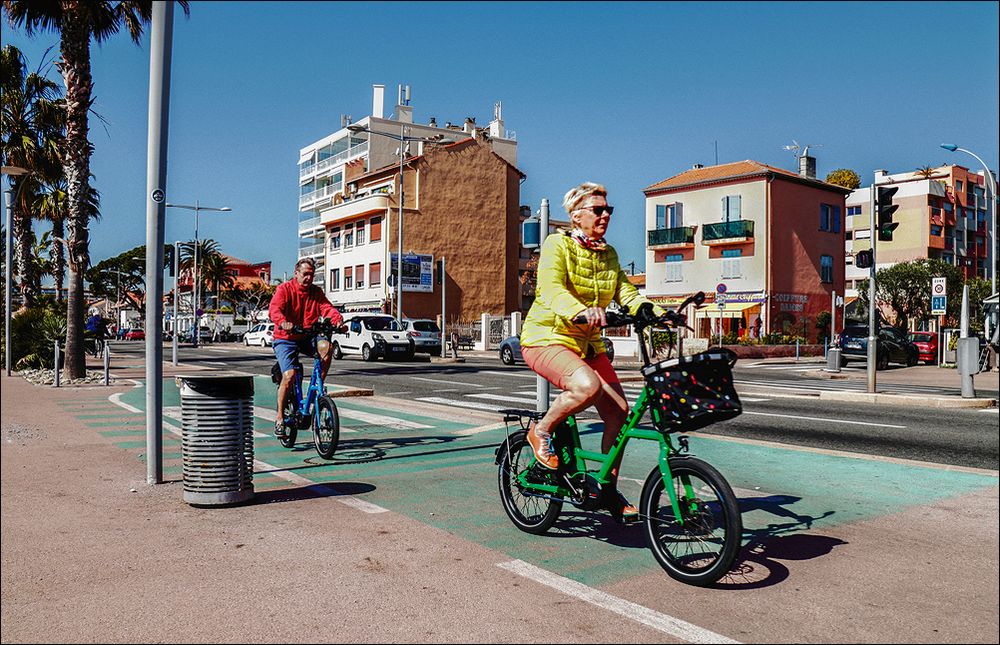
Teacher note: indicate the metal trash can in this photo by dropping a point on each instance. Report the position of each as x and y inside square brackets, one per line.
[217, 438]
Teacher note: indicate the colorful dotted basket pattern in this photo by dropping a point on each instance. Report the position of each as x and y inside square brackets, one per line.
[692, 393]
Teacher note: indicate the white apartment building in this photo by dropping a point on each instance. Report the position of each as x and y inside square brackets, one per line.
[355, 230]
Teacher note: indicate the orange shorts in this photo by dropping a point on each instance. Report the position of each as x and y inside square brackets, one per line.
[556, 363]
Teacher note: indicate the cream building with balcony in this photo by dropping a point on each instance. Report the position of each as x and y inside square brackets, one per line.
[347, 199]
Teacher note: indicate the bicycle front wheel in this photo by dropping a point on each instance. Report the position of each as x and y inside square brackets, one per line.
[291, 429]
[326, 427]
[530, 513]
[701, 548]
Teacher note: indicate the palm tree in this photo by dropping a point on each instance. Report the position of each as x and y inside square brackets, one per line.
[925, 171]
[31, 125]
[215, 272]
[78, 22]
[51, 207]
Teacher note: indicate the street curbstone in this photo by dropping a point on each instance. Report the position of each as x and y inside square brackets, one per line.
[912, 401]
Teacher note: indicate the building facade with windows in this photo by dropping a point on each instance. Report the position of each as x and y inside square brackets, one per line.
[769, 240]
[944, 213]
[460, 201]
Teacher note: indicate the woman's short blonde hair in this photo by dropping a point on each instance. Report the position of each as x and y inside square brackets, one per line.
[582, 192]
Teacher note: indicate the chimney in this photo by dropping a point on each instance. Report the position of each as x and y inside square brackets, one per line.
[496, 125]
[697, 166]
[378, 99]
[433, 123]
[470, 125]
[404, 111]
[807, 166]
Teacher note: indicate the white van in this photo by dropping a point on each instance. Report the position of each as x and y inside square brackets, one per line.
[372, 336]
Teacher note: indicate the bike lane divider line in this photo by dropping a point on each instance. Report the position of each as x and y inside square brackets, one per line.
[464, 404]
[665, 623]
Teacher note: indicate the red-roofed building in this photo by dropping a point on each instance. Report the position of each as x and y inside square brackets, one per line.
[770, 240]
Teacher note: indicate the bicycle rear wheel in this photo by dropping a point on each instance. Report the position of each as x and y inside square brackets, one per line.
[528, 512]
[702, 548]
[326, 427]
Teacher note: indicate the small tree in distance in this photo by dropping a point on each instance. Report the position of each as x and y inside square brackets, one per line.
[844, 177]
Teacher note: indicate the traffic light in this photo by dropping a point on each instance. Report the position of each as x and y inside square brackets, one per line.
[863, 259]
[168, 254]
[885, 210]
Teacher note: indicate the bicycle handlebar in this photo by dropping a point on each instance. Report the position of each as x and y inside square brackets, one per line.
[644, 316]
[322, 326]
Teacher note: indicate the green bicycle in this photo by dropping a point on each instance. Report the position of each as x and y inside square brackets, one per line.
[692, 517]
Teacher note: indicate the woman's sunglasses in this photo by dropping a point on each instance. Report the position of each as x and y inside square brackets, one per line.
[601, 210]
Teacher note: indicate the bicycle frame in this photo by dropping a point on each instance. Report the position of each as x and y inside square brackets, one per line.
[574, 454]
[315, 389]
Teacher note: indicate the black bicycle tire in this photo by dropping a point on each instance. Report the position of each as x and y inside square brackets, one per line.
[505, 475]
[326, 451]
[733, 523]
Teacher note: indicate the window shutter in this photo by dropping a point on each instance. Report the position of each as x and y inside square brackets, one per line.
[376, 229]
[661, 217]
[835, 215]
[678, 216]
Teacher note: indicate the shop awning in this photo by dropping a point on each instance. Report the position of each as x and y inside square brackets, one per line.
[733, 310]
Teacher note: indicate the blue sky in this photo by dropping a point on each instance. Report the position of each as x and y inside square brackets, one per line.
[620, 93]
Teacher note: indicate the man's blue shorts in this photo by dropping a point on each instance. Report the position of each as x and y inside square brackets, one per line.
[287, 351]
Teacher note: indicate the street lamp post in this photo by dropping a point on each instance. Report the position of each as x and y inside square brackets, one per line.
[990, 182]
[197, 208]
[8, 199]
[403, 140]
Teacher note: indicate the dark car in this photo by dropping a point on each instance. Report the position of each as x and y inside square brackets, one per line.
[510, 349]
[893, 347]
[927, 344]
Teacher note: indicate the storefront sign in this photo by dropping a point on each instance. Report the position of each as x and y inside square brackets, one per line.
[418, 273]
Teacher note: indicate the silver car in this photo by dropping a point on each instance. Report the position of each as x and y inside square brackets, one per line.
[425, 333]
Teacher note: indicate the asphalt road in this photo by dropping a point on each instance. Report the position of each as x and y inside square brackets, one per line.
[780, 403]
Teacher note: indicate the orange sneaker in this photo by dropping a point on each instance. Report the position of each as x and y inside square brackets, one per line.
[541, 444]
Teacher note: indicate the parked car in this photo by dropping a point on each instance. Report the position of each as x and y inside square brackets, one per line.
[260, 334]
[892, 347]
[510, 349]
[135, 334]
[372, 336]
[425, 333]
[927, 344]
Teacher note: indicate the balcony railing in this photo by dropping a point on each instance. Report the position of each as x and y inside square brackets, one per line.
[335, 160]
[742, 228]
[671, 236]
[312, 222]
[315, 249]
[322, 193]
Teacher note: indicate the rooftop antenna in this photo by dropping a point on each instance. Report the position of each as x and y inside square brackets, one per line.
[795, 148]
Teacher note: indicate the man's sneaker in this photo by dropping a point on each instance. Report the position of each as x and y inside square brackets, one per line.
[541, 444]
[279, 429]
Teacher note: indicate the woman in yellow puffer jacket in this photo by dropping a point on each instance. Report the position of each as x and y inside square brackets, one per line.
[578, 274]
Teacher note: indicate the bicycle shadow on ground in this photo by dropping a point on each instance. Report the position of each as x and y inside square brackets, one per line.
[758, 564]
[312, 491]
[365, 450]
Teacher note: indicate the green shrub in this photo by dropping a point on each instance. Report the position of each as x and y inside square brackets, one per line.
[33, 334]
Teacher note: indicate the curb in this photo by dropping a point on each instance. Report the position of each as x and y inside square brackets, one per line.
[912, 401]
[351, 391]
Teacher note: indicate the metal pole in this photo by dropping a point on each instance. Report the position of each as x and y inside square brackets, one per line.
[177, 295]
[161, 34]
[107, 363]
[196, 336]
[542, 386]
[8, 199]
[55, 364]
[444, 312]
[872, 350]
[965, 370]
[399, 259]
[833, 315]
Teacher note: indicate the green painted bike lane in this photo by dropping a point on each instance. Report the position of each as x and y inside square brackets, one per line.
[442, 473]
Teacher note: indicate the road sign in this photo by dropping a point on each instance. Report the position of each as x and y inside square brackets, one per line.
[939, 296]
[721, 288]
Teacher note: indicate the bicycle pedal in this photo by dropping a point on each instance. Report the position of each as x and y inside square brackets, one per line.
[631, 519]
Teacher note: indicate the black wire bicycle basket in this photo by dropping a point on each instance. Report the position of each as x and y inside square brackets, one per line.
[691, 392]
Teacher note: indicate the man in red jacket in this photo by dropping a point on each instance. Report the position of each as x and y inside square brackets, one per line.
[298, 302]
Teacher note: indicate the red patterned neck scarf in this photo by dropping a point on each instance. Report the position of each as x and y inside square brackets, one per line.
[598, 244]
